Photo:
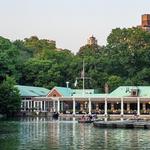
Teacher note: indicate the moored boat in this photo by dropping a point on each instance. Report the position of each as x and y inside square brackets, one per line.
[85, 121]
[55, 115]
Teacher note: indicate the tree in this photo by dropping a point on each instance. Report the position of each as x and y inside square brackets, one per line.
[125, 60]
[10, 100]
[90, 50]
[25, 53]
[37, 45]
[128, 52]
[8, 59]
[49, 69]
[114, 81]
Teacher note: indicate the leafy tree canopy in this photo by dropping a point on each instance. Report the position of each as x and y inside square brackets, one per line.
[8, 58]
[9, 97]
[125, 60]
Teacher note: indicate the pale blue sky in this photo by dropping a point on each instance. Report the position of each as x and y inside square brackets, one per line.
[69, 22]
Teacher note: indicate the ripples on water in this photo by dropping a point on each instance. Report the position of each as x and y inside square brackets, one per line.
[48, 134]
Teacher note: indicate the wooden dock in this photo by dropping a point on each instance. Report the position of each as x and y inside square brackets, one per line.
[128, 124]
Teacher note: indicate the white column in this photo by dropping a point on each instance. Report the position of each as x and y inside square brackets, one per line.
[34, 104]
[54, 109]
[105, 106]
[58, 105]
[122, 106]
[62, 105]
[38, 105]
[74, 106]
[89, 106]
[138, 106]
[28, 104]
[41, 106]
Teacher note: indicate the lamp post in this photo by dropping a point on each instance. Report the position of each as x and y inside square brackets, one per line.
[67, 83]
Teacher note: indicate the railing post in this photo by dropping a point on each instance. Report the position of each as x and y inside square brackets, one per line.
[89, 106]
[74, 106]
[138, 106]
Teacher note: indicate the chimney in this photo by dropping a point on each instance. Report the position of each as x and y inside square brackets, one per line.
[67, 83]
[146, 20]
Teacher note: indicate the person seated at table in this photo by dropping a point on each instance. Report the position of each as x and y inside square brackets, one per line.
[89, 117]
[83, 117]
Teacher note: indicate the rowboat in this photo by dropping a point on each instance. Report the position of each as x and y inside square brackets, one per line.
[85, 121]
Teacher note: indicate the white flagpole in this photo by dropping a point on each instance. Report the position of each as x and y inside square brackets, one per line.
[83, 78]
[75, 84]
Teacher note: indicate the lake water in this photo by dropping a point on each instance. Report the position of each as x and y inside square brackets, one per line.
[48, 134]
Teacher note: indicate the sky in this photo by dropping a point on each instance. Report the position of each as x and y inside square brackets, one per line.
[68, 22]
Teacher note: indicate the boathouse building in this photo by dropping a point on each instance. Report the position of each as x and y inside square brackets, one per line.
[124, 100]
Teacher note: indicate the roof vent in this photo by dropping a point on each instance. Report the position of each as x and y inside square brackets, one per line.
[127, 90]
[134, 92]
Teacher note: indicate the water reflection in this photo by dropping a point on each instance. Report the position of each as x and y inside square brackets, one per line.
[8, 136]
[45, 133]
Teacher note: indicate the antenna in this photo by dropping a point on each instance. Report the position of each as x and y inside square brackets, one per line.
[82, 77]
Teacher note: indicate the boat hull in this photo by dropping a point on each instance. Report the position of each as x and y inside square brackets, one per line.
[85, 121]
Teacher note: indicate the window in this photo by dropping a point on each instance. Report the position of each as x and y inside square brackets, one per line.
[54, 95]
[28, 98]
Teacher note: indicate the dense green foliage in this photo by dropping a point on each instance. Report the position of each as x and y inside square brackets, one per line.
[9, 97]
[125, 60]
[8, 58]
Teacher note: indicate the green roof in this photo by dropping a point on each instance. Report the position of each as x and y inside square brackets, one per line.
[64, 91]
[125, 91]
[90, 95]
[32, 91]
[67, 92]
[87, 93]
[80, 91]
[122, 91]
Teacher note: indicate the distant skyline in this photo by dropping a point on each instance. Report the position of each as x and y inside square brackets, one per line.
[68, 22]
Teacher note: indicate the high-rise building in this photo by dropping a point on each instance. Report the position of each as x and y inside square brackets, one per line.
[145, 22]
[92, 41]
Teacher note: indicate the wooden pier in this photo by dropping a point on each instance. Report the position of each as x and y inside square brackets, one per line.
[128, 124]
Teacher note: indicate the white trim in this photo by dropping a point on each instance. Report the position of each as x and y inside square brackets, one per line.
[58, 106]
[78, 97]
